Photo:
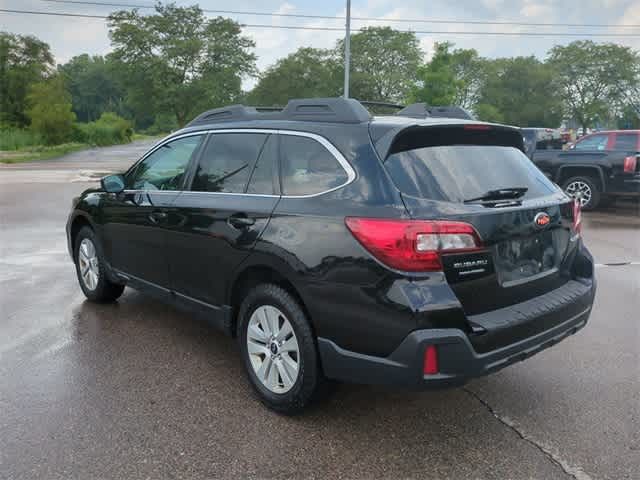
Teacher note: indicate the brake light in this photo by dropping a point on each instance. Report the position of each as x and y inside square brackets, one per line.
[577, 217]
[430, 366]
[413, 245]
[630, 164]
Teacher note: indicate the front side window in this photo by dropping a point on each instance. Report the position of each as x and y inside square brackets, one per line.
[307, 167]
[594, 142]
[164, 169]
[261, 180]
[226, 162]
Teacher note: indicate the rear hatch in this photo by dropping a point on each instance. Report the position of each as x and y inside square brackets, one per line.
[478, 174]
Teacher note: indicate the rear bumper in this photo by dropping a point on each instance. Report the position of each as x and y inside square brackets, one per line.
[458, 360]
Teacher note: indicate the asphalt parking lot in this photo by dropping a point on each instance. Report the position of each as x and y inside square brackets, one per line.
[137, 389]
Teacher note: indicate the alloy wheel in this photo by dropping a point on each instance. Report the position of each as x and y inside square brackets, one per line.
[581, 191]
[273, 349]
[88, 263]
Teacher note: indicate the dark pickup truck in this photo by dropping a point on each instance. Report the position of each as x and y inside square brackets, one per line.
[597, 168]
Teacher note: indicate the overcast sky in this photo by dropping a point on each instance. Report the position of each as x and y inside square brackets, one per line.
[73, 36]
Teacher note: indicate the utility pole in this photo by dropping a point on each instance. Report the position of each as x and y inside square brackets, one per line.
[347, 50]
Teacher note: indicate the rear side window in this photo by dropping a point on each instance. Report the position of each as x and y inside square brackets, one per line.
[455, 173]
[226, 162]
[627, 142]
[307, 167]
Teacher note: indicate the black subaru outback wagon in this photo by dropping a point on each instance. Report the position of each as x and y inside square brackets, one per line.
[336, 245]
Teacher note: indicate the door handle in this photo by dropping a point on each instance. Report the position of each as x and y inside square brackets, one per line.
[240, 221]
[157, 217]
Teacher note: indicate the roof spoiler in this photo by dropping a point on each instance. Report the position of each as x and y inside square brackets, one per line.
[334, 110]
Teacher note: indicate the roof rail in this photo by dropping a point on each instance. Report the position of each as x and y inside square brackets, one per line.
[422, 110]
[336, 110]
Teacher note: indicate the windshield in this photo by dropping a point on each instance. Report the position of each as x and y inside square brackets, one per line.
[453, 173]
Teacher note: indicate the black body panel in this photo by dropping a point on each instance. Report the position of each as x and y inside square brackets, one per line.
[193, 248]
[604, 166]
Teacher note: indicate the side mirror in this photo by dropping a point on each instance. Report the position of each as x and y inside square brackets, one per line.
[112, 183]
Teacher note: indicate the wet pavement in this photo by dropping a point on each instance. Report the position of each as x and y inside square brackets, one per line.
[137, 389]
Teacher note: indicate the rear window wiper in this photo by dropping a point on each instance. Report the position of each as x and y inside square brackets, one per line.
[499, 194]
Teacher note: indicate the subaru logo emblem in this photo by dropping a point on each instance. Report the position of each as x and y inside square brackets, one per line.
[542, 219]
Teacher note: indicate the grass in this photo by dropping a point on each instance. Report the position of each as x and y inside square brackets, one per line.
[39, 152]
[21, 145]
[144, 136]
[17, 138]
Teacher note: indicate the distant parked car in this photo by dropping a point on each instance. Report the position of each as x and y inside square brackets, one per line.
[597, 168]
[542, 139]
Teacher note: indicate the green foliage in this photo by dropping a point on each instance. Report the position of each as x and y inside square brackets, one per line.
[384, 63]
[521, 90]
[308, 72]
[488, 113]
[109, 129]
[12, 138]
[452, 77]
[24, 60]
[594, 78]
[164, 123]
[50, 111]
[94, 86]
[178, 60]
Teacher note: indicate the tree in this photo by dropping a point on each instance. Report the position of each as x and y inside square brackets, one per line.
[521, 91]
[384, 63]
[452, 77]
[50, 110]
[308, 72]
[180, 61]
[24, 60]
[93, 86]
[593, 78]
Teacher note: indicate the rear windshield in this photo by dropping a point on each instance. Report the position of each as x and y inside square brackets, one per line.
[454, 173]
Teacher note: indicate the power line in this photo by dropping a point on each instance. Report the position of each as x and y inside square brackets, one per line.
[339, 29]
[368, 19]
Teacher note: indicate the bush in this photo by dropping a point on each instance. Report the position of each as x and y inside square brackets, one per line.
[163, 123]
[50, 111]
[12, 138]
[109, 129]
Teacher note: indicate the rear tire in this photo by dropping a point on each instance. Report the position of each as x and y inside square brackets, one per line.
[585, 189]
[279, 350]
[91, 269]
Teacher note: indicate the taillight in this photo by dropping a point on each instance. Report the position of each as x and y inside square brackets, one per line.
[577, 217]
[413, 245]
[630, 164]
[430, 364]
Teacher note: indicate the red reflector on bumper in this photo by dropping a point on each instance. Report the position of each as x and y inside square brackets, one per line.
[431, 360]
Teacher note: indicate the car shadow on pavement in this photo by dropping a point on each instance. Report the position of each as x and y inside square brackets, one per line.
[161, 376]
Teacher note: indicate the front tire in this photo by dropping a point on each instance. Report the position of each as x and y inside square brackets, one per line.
[585, 189]
[91, 269]
[279, 349]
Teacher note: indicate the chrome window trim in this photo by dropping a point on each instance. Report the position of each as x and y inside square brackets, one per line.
[344, 163]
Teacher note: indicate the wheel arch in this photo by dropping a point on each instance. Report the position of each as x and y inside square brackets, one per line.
[254, 274]
[567, 171]
[79, 220]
